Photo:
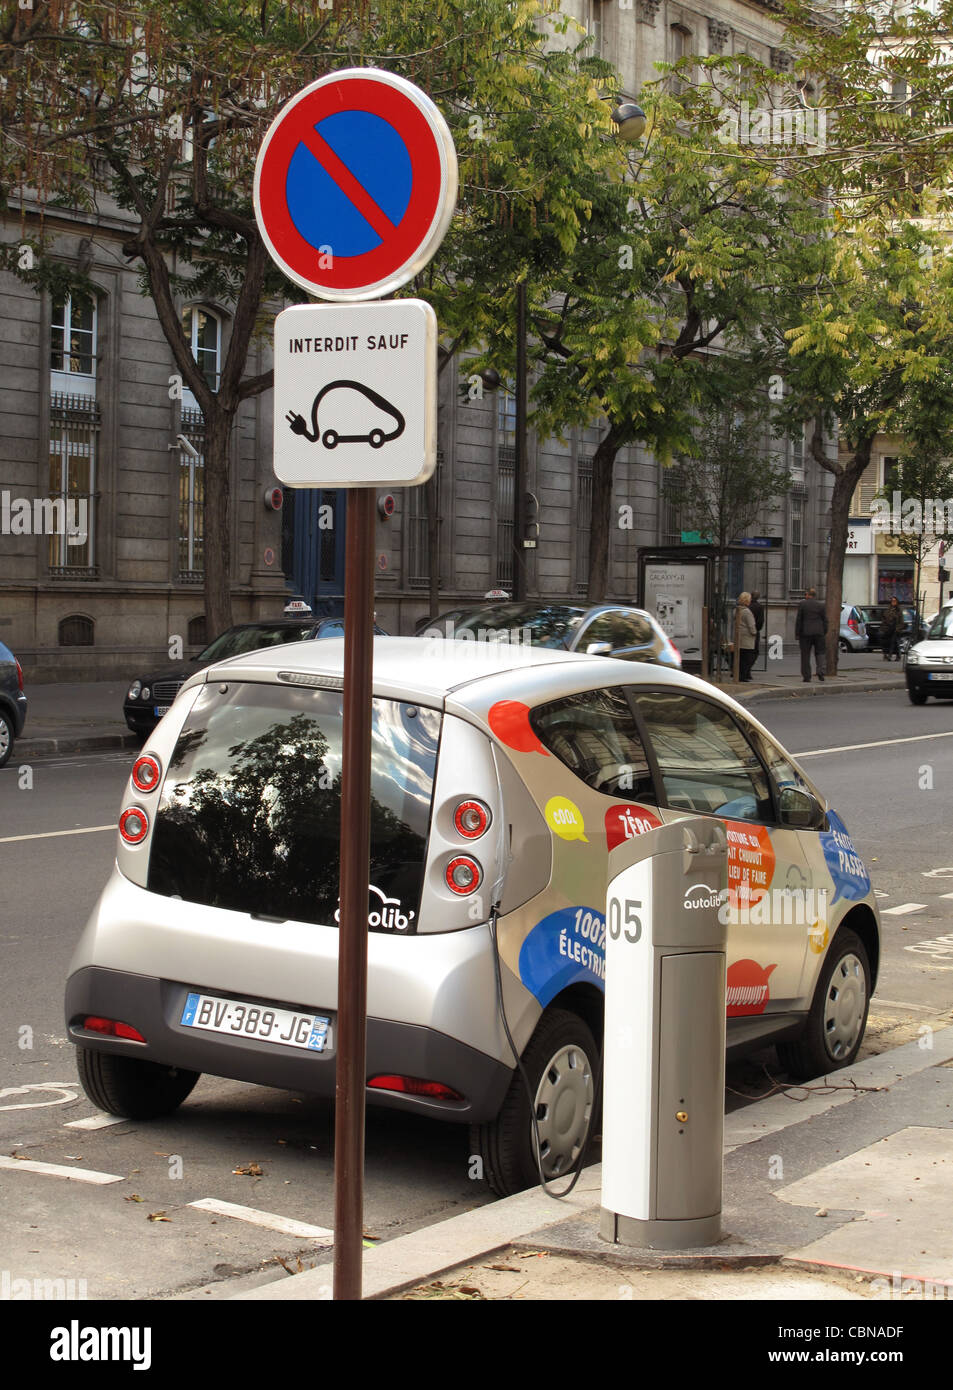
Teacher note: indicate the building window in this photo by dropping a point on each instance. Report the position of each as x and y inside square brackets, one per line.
[797, 455]
[796, 548]
[505, 477]
[191, 533]
[583, 522]
[418, 527]
[197, 636]
[74, 445]
[73, 345]
[679, 46]
[891, 482]
[76, 631]
[204, 334]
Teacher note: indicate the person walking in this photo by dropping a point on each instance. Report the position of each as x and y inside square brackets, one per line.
[747, 636]
[892, 627]
[810, 629]
[757, 612]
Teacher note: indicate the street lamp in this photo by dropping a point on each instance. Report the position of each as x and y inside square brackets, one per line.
[630, 121]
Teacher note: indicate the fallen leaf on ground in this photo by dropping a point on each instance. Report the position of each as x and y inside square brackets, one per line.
[134, 1198]
[249, 1170]
[158, 1216]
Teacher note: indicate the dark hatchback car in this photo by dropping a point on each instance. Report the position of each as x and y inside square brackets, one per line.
[150, 696]
[605, 629]
[872, 616]
[12, 703]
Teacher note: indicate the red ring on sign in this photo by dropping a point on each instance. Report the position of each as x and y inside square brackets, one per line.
[349, 272]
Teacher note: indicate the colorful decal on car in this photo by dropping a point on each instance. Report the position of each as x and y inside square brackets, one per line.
[750, 862]
[748, 990]
[818, 936]
[625, 822]
[565, 819]
[565, 948]
[845, 864]
[509, 720]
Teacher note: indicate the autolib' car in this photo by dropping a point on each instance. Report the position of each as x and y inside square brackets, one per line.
[928, 665]
[501, 778]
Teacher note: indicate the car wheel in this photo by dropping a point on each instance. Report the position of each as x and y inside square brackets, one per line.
[131, 1086]
[6, 738]
[844, 645]
[560, 1061]
[917, 697]
[835, 1026]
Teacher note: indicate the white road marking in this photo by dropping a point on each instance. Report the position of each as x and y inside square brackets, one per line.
[269, 1219]
[902, 909]
[946, 872]
[67, 1090]
[98, 1121]
[55, 834]
[940, 947]
[58, 1170]
[881, 743]
[946, 895]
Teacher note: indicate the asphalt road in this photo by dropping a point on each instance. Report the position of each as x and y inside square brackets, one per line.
[887, 767]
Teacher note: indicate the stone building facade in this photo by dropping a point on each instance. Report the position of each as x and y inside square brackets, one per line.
[90, 412]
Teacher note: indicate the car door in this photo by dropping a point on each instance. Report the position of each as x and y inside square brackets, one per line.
[629, 636]
[706, 763]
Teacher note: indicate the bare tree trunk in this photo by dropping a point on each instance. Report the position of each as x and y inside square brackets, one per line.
[601, 524]
[217, 547]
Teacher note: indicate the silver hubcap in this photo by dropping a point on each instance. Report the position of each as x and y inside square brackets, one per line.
[563, 1109]
[845, 1006]
[4, 737]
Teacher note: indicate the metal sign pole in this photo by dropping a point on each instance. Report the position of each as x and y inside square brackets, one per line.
[355, 875]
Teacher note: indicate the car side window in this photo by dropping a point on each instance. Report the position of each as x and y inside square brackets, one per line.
[618, 629]
[596, 736]
[705, 762]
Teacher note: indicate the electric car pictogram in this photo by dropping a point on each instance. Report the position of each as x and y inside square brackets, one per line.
[331, 438]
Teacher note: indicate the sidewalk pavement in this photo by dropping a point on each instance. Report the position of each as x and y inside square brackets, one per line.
[83, 717]
[839, 1189]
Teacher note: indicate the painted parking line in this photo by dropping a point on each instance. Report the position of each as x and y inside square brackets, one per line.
[268, 1219]
[99, 1121]
[902, 909]
[58, 1170]
[880, 743]
[55, 834]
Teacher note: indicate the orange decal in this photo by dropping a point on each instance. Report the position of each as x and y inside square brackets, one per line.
[748, 989]
[509, 720]
[750, 862]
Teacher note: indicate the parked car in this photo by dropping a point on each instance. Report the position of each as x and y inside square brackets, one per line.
[853, 629]
[149, 697]
[12, 703]
[605, 629]
[928, 666]
[501, 779]
[872, 615]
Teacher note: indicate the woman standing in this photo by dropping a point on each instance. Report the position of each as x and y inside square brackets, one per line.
[747, 635]
[891, 629]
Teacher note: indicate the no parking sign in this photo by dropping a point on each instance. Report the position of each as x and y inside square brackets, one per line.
[355, 184]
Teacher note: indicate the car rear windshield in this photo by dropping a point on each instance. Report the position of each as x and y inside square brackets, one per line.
[250, 812]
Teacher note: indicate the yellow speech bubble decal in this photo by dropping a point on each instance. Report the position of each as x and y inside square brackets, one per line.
[818, 937]
[565, 818]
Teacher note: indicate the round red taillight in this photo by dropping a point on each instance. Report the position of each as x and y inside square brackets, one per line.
[134, 825]
[463, 875]
[471, 819]
[146, 773]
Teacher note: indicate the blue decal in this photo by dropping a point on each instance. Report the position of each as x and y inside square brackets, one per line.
[376, 155]
[565, 948]
[845, 864]
[188, 1013]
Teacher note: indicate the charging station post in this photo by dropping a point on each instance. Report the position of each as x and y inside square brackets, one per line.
[664, 1048]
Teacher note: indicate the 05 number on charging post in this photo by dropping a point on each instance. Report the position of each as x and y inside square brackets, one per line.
[624, 919]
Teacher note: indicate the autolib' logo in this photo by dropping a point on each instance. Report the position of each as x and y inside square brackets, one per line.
[703, 895]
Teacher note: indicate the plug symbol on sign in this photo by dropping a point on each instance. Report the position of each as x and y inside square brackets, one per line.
[331, 438]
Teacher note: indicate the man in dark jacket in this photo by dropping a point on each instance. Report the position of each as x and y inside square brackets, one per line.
[757, 612]
[810, 629]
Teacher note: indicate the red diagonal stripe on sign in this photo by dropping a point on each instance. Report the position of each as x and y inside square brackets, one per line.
[351, 187]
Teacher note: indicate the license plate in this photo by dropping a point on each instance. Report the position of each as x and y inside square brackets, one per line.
[240, 1019]
[160, 710]
[941, 675]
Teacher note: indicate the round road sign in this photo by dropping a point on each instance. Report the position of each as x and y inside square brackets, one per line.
[355, 184]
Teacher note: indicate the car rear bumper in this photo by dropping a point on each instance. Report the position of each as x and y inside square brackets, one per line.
[154, 1008]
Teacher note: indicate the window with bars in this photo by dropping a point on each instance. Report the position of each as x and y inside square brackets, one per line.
[75, 423]
[190, 558]
[583, 521]
[505, 478]
[418, 527]
[796, 455]
[797, 550]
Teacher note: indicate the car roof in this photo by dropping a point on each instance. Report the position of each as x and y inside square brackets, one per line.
[431, 670]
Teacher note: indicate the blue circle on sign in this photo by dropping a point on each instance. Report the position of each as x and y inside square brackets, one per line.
[373, 152]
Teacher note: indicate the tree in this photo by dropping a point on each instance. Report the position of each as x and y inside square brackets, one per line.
[722, 489]
[161, 109]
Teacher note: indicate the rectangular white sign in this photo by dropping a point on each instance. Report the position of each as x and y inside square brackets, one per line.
[356, 394]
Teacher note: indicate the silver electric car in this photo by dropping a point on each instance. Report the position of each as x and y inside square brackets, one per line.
[501, 779]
